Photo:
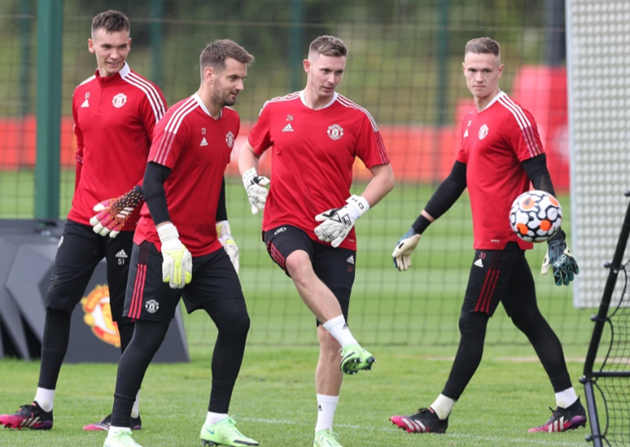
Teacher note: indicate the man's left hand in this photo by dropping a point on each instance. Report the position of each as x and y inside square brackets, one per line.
[561, 260]
[337, 222]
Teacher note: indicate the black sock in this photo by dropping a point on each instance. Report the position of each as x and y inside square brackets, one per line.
[148, 337]
[232, 320]
[472, 326]
[547, 346]
[54, 347]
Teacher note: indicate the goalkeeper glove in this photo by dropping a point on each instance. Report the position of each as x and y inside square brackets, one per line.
[561, 260]
[226, 239]
[406, 245]
[337, 222]
[256, 194]
[177, 260]
[113, 213]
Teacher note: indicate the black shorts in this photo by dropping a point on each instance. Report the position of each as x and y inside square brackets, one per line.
[149, 298]
[500, 275]
[335, 267]
[80, 250]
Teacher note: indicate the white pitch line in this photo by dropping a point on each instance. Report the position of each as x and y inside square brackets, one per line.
[535, 441]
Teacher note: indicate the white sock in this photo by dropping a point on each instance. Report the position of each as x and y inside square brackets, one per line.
[45, 398]
[213, 418]
[566, 398]
[113, 431]
[135, 411]
[443, 406]
[326, 406]
[339, 329]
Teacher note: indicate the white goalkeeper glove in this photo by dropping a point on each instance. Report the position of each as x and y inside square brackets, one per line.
[224, 234]
[177, 260]
[337, 222]
[256, 194]
[405, 246]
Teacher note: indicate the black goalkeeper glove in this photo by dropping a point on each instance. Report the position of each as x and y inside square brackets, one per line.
[560, 258]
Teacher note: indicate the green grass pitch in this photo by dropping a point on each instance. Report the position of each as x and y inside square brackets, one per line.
[408, 320]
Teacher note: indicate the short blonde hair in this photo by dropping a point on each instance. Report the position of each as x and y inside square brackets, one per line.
[483, 45]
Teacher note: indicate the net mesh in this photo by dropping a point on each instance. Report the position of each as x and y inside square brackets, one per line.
[405, 68]
[612, 401]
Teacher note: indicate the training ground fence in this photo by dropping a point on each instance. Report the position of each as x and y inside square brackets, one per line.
[404, 66]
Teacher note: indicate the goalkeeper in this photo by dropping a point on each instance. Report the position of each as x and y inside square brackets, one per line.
[309, 214]
[500, 154]
[178, 249]
[115, 112]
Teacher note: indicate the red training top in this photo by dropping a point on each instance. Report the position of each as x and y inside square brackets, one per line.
[114, 119]
[196, 147]
[494, 143]
[313, 153]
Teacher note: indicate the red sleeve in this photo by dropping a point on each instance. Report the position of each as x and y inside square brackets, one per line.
[167, 144]
[370, 147]
[522, 135]
[259, 136]
[79, 138]
[462, 156]
[153, 109]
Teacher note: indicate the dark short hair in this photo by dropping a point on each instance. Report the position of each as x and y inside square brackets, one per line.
[111, 21]
[215, 54]
[328, 46]
[483, 45]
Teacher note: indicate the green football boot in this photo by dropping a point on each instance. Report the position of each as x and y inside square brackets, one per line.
[355, 358]
[121, 439]
[326, 438]
[224, 432]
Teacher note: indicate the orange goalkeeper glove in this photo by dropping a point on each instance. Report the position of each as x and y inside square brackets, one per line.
[113, 213]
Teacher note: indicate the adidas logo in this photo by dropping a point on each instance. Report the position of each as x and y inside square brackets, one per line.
[203, 142]
[466, 133]
[350, 260]
[85, 103]
[288, 128]
[121, 254]
[478, 263]
[319, 408]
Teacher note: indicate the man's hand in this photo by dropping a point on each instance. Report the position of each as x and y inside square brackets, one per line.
[177, 260]
[560, 259]
[113, 213]
[404, 248]
[338, 222]
[256, 194]
[224, 234]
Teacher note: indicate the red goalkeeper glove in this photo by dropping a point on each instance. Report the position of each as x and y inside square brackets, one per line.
[113, 213]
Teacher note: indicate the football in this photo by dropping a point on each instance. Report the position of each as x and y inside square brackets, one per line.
[535, 216]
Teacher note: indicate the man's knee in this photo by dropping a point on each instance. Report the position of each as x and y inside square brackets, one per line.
[473, 322]
[298, 265]
[527, 319]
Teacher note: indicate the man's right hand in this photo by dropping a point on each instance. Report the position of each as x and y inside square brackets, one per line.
[256, 194]
[177, 260]
[405, 247]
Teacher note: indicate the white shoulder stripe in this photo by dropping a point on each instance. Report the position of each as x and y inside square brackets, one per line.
[348, 103]
[524, 124]
[154, 98]
[171, 128]
[152, 90]
[289, 97]
[88, 80]
[379, 139]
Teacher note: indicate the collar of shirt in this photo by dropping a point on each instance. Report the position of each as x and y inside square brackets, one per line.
[110, 80]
